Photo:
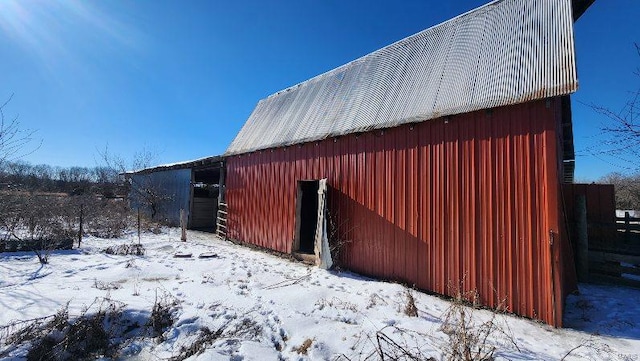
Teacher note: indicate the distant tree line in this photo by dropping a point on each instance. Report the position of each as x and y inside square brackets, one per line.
[100, 180]
[43, 207]
[627, 187]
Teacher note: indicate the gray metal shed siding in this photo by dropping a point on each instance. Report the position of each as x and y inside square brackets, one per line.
[174, 184]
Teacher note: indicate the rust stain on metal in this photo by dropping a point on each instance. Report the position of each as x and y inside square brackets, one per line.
[466, 203]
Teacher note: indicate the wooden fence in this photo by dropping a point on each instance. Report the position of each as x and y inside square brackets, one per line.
[606, 247]
[617, 260]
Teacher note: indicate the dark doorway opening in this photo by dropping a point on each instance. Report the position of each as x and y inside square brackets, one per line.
[204, 205]
[308, 191]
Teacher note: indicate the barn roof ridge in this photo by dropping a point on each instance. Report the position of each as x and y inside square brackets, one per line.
[502, 53]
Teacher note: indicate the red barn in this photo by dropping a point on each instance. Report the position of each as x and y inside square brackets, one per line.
[437, 160]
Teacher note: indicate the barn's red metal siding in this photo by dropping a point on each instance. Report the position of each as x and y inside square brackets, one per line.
[471, 199]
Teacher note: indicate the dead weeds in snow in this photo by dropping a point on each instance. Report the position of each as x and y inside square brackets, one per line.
[205, 338]
[60, 337]
[393, 343]
[462, 336]
[101, 330]
[597, 350]
[410, 308]
[467, 337]
[162, 316]
[375, 300]
[134, 249]
[106, 286]
[336, 303]
[21, 332]
[236, 328]
[304, 348]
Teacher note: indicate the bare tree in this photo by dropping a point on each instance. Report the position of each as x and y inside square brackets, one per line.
[13, 139]
[623, 130]
[144, 189]
[13, 142]
[627, 187]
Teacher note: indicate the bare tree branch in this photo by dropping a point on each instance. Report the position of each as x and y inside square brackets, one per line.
[13, 139]
[622, 131]
[144, 189]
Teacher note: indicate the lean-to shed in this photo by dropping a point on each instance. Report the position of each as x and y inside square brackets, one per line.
[435, 161]
[192, 186]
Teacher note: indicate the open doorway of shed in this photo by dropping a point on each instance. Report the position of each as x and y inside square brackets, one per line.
[311, 243]
[204, 205]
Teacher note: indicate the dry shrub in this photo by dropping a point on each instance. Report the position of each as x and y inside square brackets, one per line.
[134, 249]
[35, 222]
[205, 338]
[100, 334]
[107, 218]
[337, 304]
[410, 308]
[304, 348]
[388, 349]
[468, 337]
[338, 234]
[244, 327]
[20, 333]
[236, 327]
[105, 286]
[82, 338]
[58, 337]
[595, 351]
[393, 343]
[162, 316]
[148, 225]
[45, 222]
[375, 300]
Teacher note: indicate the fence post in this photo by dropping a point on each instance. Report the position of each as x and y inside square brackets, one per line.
[627, 227]
[80, 231]
[183, 225]
[138, 225]
[583, 238]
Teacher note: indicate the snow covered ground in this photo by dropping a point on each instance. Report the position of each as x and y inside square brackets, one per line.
[270, 308]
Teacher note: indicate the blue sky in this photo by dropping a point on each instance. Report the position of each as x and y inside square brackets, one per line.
[180, 78]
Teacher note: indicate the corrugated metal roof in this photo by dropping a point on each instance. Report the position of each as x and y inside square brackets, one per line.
[505, 52]
[196, 163]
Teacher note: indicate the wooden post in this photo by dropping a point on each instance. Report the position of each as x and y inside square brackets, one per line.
[183, 225]
[138, 225]
[583, 238]
[627, 227]
[80, 228]
[222, 183]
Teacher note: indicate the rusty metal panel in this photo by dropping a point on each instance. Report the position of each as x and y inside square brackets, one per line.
[466, 202]
[503, 53]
